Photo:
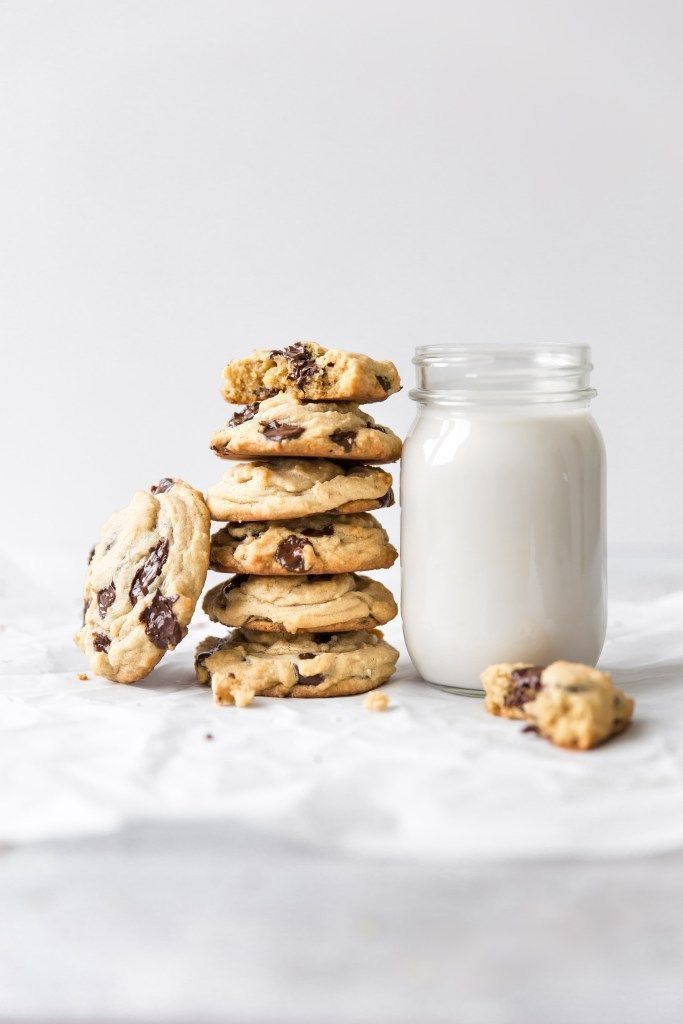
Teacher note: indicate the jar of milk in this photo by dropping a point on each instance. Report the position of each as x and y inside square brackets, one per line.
[502, 511]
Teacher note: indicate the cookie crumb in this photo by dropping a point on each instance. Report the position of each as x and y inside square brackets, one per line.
[376, 701]
[82, 676]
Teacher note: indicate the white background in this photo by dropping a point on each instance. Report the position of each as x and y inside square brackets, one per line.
[183, 181]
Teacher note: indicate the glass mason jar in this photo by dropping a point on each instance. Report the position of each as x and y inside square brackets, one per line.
[502, 512]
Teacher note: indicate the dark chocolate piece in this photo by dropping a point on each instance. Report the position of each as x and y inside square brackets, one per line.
[388, 499]
[384, 383]
[148, 571]
[165, 484]
[306, 657]
[242, 415]
[290, 553]
[106, 598]
[161, 625]
[527, 684]
[302, 365]
[277, 430]
[314, 680]
[344, 438]
[101, 642]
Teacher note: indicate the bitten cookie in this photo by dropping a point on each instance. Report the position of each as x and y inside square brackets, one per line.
[245, 664]
[572, 705]
[315, 544]
[284, 425]
[308, 370]
[144, 578]
[286, 604]
[289, 488]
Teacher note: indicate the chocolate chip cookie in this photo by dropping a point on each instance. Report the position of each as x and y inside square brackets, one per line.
[308, 370]
[287, 604]
[288, 488]
[572, 705]
[247, 663]
[315, 544]
[144, 578]
[285, 425]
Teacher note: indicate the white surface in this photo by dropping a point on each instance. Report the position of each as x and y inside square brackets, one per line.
[183, 179]
[433, 780]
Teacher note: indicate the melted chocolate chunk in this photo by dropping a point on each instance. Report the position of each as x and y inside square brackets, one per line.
[388, 499]
[323, 531]
[276, 430]
[302, 365]
[384, 383]
[101, 642]
[161, 625]
[315, 680]
[165, 484]
[290, 553]
[378, 426]
[91, 553]
[527, 684]
[105, 599]
[344, 438]
[148, 571]
[236, 581]
[242, 415]
[306, 657]
[530, 728]
[203, 655]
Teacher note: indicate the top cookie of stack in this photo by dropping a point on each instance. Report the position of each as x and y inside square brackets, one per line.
[300, 511]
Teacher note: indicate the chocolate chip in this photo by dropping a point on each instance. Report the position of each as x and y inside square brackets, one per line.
[148, 571]
[315, 680]
[323, 531]
[530, 728]
[105, 599]
[290, 553]
[380, 428]
[242, 415]
[235, 581]
[276, 430]
[91, 554]
[344, 438]
[302, 365]
[384, 383]
[101, 642]
[161, 625]
[165, 484]
[388, 499]
[305, 656]
[527, 684]
[201, 657]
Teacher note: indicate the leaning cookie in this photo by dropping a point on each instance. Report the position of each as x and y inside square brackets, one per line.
[308, 370]
[284, 425]
[314, 544]
[572, 705]
[144, 578]
[289, 488]
[245, 664]
[311, 604]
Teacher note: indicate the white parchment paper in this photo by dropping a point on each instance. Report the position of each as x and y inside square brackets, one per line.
[434, 778]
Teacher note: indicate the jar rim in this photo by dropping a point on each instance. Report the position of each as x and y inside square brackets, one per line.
[502, 373]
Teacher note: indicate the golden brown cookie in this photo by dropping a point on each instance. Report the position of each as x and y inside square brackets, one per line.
[289, 488]
[572, 705]
[144, 578]
[310, 604]
[245, 664]
[314, 544]
[310, 371]
[285, 425]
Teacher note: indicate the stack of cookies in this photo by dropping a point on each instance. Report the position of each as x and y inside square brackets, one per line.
[298, 531]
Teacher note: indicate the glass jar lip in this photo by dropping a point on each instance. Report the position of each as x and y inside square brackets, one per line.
[501, 373]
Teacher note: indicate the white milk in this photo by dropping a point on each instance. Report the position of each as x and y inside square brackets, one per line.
[502, 538]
